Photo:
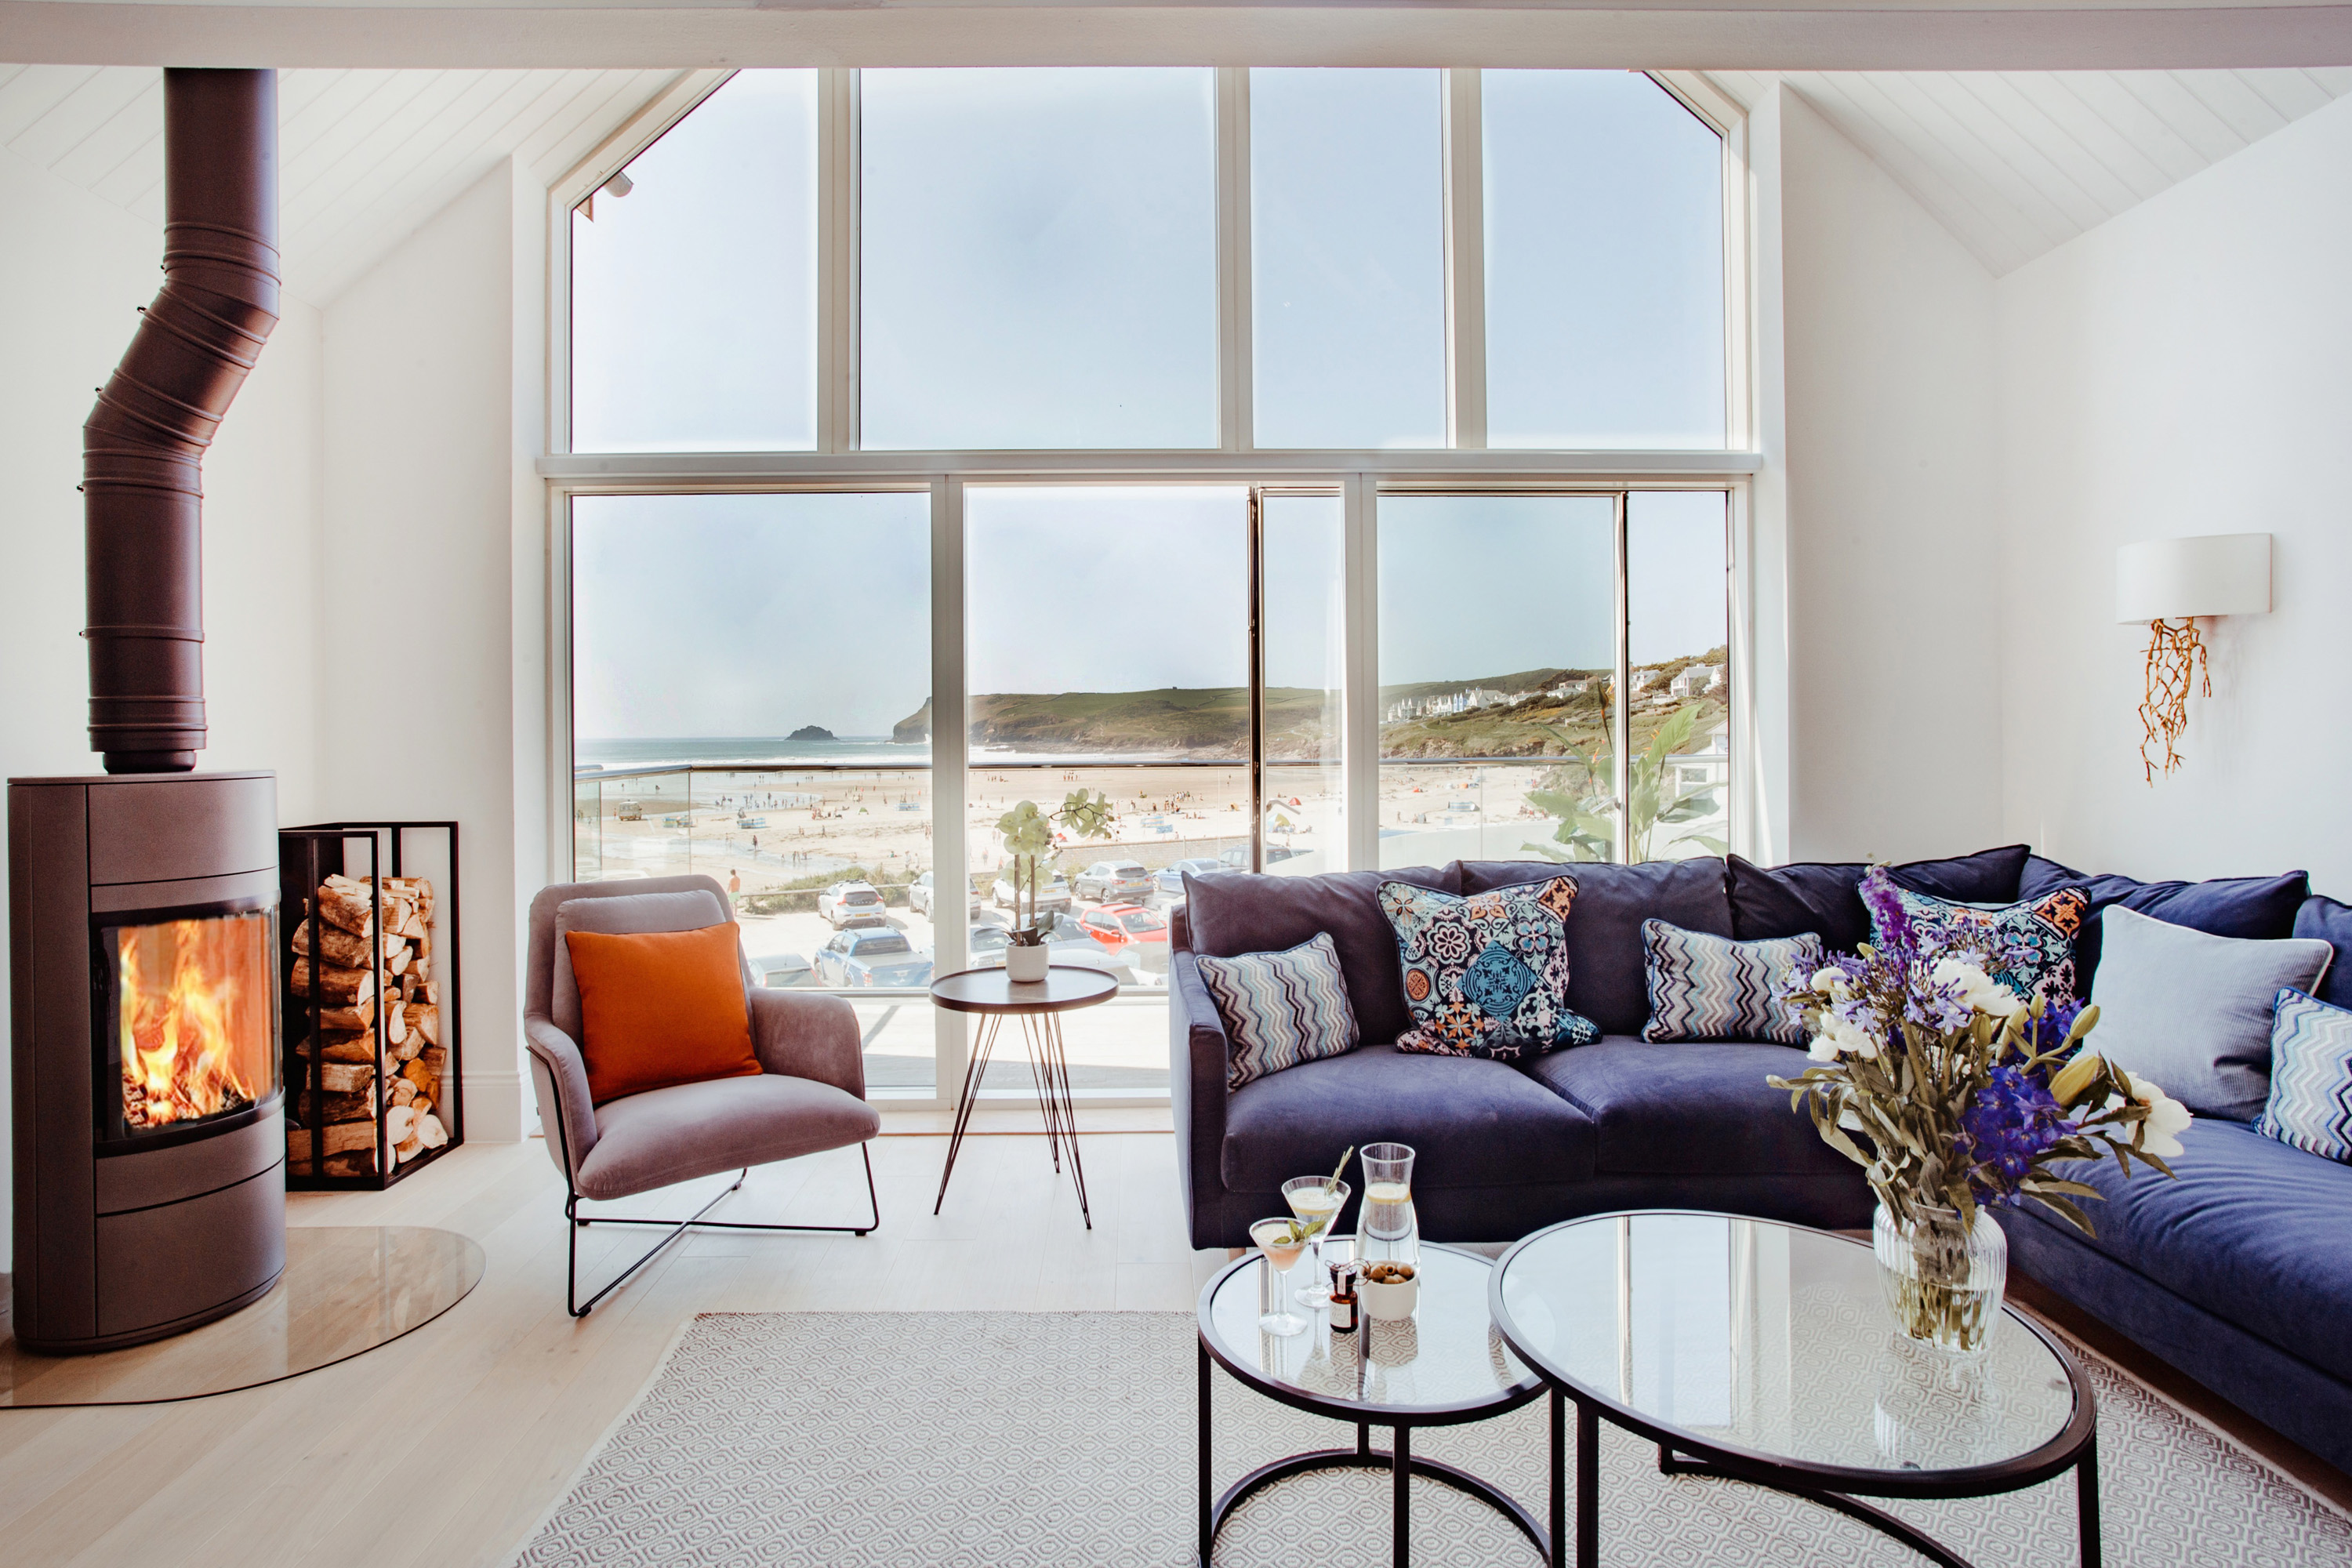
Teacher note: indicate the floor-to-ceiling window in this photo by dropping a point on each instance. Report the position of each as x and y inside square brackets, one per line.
[1336, 468]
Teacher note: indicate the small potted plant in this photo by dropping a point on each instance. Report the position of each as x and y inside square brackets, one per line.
[1029, 839]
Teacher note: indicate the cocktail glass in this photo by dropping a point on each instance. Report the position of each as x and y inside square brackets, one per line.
[1316, 1201]
[1281, 1241]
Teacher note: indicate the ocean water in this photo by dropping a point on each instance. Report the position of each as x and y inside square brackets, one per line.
[758, 749]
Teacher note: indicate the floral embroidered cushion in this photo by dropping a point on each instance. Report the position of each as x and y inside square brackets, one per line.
[1705, 988]
[1280, 1010]
[2310, 1103]
[1486, 975]
[2027, 947]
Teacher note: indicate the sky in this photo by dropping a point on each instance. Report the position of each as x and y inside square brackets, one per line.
[1038, 269]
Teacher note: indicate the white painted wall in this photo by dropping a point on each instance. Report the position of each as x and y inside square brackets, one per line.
[1891, 550]
[419, 550]
[2185, 368]
[80, 268]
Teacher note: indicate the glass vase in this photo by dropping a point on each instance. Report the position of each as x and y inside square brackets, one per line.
[1943, 1282]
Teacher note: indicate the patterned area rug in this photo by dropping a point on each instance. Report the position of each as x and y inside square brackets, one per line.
[1006, 1439]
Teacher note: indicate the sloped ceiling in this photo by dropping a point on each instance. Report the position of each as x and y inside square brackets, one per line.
[2015, 163]
[367, 156]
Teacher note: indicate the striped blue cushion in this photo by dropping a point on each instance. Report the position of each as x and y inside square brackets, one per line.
[1281, 1008]
[2310, 1103]
[1706, 987]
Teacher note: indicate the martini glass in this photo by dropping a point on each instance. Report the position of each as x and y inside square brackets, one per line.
[1281, 1241]
[1316, 1201]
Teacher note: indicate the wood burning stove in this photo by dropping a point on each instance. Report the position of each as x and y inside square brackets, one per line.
[150, 1144]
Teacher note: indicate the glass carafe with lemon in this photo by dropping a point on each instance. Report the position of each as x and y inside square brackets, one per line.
[1391, 1231]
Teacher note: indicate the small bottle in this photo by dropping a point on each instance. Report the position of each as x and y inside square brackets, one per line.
[1343, 1296]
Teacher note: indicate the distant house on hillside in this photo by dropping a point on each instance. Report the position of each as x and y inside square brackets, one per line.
[1567, 689]
[1696, 681]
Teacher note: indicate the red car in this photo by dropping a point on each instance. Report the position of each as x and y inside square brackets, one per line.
[1117, 926]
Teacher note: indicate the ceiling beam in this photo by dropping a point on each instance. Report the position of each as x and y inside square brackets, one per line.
[1828, 35]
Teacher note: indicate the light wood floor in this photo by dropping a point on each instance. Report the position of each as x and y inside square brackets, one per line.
[445, 1446]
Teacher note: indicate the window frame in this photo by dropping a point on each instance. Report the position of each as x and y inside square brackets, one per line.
[1359, 477]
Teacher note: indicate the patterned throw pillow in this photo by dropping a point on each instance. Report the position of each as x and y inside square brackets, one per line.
[2310, 1104]
[1706, 987]
[1281, 1008]
[2045, 929]
[1486, 975]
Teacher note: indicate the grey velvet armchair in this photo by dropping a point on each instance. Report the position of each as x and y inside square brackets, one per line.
[811, 1098]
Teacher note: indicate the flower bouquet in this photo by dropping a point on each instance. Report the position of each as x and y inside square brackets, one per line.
[1954, 1092]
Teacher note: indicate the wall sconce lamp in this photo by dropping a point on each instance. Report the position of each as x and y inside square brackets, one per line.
[2169, 583]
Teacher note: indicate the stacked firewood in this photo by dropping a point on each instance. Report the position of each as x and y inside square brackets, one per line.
[380, 1007]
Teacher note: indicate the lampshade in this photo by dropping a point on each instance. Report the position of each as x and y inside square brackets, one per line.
[2212, 574]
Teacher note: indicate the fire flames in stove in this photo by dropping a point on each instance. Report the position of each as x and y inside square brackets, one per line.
[195, 1002]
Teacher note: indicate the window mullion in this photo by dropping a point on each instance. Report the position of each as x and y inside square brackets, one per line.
[951, 738]
[837, 261]
[1236, 371]
[1622, 722]
[1359, 749]
[1463, 128]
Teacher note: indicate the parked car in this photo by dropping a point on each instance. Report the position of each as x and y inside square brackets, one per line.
[918, 898]
[779, 970]
[1112, 881]
[1052, 898]
[1167, 883]
[851, 903]
[1237, 858]
[1069, 942]
[866, 957]
[1116, 926]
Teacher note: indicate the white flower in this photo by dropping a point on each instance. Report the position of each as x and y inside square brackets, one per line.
[2167, 1119]
[1838, 1038]
[1828, 981]
[1978, 989]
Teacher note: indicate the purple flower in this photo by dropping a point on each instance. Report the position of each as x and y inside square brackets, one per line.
[2012, 1122]
[1890, 926]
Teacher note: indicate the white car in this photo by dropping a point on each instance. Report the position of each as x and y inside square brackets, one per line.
[1113, 882]
[1068, 945]
[851, 903]
[1053, 897]
[920, 899]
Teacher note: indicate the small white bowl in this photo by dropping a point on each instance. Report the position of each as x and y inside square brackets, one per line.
[1389, 1300]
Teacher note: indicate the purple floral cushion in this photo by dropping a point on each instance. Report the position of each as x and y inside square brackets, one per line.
[1486, 975]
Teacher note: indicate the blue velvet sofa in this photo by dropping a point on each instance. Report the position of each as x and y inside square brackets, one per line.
[2240, 1273]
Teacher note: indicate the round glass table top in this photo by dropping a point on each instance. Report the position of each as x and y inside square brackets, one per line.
[1770, 1339]
[1444, 1362]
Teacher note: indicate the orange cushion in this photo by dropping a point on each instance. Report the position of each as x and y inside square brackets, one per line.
[658, 1008]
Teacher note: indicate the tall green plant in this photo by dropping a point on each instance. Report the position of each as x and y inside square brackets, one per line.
[1588, 817]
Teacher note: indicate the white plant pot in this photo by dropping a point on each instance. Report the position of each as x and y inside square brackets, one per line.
[1027, 965]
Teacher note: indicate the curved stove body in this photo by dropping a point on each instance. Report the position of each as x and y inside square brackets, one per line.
[150, 1151]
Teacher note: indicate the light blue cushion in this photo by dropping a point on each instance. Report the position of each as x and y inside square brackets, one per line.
[2310, 1104]
[2192, 1011]
[1705, 988]
[1281, 1008]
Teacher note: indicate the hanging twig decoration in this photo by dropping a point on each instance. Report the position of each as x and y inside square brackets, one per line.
[2175, 656]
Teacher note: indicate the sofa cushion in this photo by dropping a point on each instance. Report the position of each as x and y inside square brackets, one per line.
[1472, 1123]
[659, 1008]
[2310, 1104]
[1706, 987]
[1228, 913]
[2028, 946]
[1486, 975]
[2193, 1011]
[1606, 980]
[1280, 1010]
[2260, 908]
[689, 909]
[1822, 897]
[676, 1134]
[2331, 922]
[2254, 1232]
[1695, 1109]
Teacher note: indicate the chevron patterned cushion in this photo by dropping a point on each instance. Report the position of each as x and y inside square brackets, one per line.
[2310, 1103]
[1706, 987]
[1281, 1008]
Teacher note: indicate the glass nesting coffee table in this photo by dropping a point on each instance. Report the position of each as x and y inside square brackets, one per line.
[1443, 1366]
[1764, 1353]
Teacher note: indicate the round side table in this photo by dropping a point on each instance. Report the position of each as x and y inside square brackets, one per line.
[1039, 1005]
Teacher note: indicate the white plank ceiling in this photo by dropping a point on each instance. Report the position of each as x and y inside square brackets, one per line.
[2016, 164]
[367, 156]
[2013, 162]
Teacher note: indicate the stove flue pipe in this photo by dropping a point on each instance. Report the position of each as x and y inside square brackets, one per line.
[143, 445]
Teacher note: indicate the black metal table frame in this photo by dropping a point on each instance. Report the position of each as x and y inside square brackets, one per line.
[1398, 1460]
[1049, 1070]
[1837, 1487]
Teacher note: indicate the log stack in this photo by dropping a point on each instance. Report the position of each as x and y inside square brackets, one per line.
[379, 1023]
